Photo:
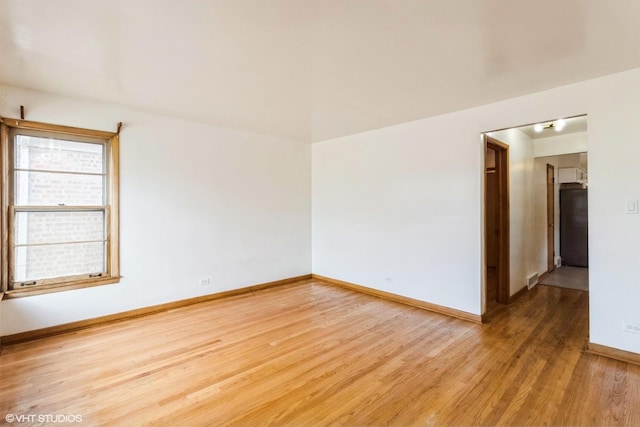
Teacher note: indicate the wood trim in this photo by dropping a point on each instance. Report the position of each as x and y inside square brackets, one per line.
[502, 169]
[402, 299]
[518, 294]
[484, 318]
[504, 240]
[61, 286]
[113, 233]
[613, 353]
[4, 205]
[47, 127]
[145, 311]
[550, 200]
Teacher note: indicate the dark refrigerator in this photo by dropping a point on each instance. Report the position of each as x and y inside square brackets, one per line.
[574, 231]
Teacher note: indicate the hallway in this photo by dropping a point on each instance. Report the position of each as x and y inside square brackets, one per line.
[568, 277]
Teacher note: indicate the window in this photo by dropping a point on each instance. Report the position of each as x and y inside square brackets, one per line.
[60, 205]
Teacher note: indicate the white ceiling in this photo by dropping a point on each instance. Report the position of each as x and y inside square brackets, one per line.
[311, 69]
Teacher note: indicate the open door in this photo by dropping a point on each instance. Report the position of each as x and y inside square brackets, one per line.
[496, 222]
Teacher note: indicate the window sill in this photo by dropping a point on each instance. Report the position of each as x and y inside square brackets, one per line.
[60, 287]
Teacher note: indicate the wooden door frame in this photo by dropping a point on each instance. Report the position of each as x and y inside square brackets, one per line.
[551, 194]
[503, 242]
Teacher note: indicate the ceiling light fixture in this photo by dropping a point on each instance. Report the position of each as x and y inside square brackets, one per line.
[558, 125]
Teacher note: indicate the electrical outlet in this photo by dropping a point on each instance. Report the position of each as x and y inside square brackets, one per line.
[632, 328]
[206, 281]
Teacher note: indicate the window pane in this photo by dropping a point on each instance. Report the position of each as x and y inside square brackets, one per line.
[50, 261]
[34, 152]
[54, 189]
[58, 227]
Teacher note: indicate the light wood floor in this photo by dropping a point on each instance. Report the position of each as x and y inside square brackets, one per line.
[314, 354]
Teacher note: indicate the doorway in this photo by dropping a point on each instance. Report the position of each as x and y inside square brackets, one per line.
[532, 210]
[571, 268]
[496, 214]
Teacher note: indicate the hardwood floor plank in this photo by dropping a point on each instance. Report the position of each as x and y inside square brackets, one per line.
[310, 353]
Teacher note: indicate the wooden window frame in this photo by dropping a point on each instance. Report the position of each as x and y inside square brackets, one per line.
[111, 209]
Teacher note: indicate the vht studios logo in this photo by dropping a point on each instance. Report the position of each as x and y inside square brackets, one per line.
[43, 418]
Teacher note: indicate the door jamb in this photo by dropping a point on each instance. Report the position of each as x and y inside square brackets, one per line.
[502, 175]
[551, 254]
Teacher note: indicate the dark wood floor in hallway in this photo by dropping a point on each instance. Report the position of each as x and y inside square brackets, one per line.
[314, 354]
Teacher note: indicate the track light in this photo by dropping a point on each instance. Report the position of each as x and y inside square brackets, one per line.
[558, 125]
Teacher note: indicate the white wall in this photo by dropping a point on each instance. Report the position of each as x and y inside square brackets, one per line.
[394, 210]
[562, 144]
[405, 202]
[197, 201]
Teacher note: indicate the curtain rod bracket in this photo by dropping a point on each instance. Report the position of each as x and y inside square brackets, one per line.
[22, 112]
[119, 127]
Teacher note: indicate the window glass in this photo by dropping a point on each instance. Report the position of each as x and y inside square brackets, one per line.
[58, 189]
[51, 261]
[33, 228]
[52, 154]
